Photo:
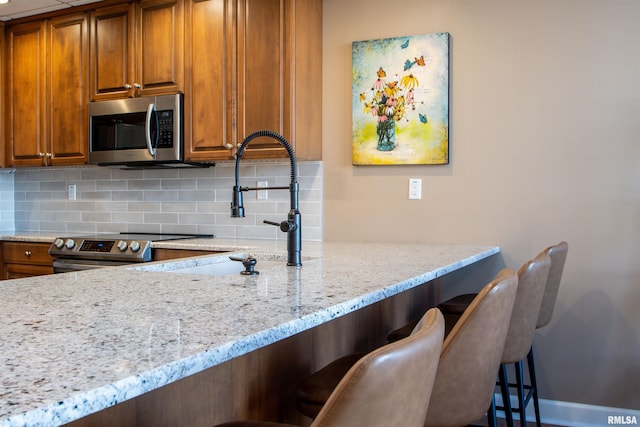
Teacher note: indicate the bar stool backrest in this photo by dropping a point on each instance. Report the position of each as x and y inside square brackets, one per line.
[471, 355]
[391, 386]
[532, 279]
[558, 255]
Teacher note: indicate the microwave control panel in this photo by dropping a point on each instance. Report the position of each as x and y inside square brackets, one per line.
[165, 128]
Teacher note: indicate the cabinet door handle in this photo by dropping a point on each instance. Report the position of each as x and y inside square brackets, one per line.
[41, 155]
[27, 253]
[228, 146]
[127, 86]
[137, 85]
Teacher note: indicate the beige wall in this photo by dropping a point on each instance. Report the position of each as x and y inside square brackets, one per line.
[545, 125]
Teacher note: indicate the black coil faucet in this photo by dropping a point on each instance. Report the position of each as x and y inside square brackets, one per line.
[292, 226]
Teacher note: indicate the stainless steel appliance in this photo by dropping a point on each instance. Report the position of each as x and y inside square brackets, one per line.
[106, 250]
[143, 131]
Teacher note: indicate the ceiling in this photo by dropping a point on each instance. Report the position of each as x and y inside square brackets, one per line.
[21, 8]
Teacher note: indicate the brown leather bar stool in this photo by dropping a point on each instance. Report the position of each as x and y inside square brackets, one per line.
[526, 318]
[558, 254]
[468, 364]
[532, 280]
[397, 375]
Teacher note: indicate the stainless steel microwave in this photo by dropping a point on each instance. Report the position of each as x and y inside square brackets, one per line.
[137, 131]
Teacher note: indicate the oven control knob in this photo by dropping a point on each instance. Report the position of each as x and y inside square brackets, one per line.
[59, 243]
[122, 245]
[135, 246]
[70, 244]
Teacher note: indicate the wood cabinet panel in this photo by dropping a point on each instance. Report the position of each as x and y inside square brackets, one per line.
[27, 253]
[209, 93]
[22, 259]
[19, 271]
[112, 60]
[137, 49]
[68, 62]
[47, 92]
[256, 66]
[25, 92]
[160, 46]
[263, 99]
[279, 61]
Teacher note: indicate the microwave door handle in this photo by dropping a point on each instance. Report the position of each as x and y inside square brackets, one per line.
[147, 130]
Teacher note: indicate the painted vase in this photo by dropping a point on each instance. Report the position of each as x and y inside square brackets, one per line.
[386, 135]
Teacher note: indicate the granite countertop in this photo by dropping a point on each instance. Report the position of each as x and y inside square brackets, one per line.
[75, 343]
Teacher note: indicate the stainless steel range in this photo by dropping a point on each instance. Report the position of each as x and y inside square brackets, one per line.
[107, 250]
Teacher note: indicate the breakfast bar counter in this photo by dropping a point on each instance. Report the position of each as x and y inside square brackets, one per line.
[75, 344]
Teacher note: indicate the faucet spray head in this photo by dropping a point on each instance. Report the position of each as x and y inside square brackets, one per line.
[237, 205]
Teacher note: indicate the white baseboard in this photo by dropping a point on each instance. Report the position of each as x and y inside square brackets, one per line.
[576, 414]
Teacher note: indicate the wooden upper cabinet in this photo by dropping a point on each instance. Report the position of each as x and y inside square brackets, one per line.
[47, 92]
[25, 92]
[160, 46]
[137, 49]
[67, 89]
[263, 98]
[254, 65]
[279, 75]
[209, 92]
[112, 60]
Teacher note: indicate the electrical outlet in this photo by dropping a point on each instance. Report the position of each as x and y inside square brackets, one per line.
[262, 194]
[415, 188]
[72, 192]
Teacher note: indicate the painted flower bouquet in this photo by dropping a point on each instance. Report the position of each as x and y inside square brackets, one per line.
[388, 102]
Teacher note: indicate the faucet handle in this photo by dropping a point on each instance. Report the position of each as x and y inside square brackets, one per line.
[285, 226]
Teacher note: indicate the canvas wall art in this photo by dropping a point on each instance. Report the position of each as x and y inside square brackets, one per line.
[400, 100]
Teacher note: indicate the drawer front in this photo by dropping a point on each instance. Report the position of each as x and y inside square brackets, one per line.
[27, 253]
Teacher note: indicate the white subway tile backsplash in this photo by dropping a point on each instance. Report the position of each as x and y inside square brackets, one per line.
[144, 207]
[155, 201]
[111, 185]
[143, 184]
[179, 206]
[7, 201]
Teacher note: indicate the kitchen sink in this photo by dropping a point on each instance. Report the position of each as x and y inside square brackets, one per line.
[210, 266]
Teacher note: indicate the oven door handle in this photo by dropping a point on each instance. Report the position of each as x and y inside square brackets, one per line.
[64, 265]
[147, 130]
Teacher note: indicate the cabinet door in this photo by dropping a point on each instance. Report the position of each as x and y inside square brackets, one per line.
[263, 99]
[112, 59]
[67, 89]
[209, 100]
[160, 46]
[279, 75]
[25, 115]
